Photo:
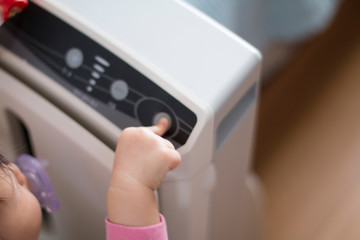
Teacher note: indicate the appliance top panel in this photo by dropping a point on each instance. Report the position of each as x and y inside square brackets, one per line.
[95, 75]
[179, 40]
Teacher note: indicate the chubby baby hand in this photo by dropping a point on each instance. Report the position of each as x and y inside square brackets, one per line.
[144, 156]
[142, 159]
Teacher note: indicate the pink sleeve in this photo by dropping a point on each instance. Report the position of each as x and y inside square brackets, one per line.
[121, 232]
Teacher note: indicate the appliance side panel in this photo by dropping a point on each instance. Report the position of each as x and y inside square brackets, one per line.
[234, 205]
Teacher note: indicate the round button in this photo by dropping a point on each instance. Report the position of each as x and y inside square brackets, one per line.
[119, 90]
[74, 58]
[149, 111]
[161, 115]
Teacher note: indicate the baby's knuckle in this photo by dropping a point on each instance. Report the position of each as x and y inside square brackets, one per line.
[128, 131]
[129, 135]
[164, 154]
[177, 157]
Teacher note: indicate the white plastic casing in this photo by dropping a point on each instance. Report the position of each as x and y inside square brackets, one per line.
[212, 194]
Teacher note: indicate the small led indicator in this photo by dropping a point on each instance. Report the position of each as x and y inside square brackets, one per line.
[102, 61]
[89, 88]
[98, 68]
[92, 82]
[95, 75]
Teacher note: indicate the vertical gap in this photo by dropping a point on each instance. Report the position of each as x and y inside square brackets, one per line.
[26, 136]
[20, 135]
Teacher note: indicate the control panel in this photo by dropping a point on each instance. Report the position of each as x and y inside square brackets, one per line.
[88, 70]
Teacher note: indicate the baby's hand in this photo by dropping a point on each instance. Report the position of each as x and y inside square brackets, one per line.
[145, 156]
[142, 159]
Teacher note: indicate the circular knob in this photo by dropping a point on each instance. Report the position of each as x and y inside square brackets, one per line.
[74, 58]
[149, 111]
[119, 90]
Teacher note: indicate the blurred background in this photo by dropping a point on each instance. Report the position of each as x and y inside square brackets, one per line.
[307, 149]
[275, 27]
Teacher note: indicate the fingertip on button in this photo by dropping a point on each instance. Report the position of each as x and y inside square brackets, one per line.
[161, 115]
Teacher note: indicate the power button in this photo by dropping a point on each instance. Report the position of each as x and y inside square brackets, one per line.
[161, 115]
[150, 110]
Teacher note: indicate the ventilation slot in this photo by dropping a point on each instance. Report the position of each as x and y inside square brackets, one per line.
[20, 135]
[234, 117]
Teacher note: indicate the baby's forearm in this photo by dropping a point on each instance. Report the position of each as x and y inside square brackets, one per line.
[142, 159]
[130, 203]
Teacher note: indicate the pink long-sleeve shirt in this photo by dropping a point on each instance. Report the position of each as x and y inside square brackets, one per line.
[121, 232]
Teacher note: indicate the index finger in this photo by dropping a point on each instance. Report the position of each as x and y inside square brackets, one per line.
[161, 127]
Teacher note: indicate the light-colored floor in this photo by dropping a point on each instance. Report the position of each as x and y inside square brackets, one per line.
[308, 141]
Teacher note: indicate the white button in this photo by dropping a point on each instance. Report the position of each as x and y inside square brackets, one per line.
[119, 90]
[74, 58]
[160, 115]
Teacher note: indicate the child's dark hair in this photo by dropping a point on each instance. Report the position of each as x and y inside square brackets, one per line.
[4, 163]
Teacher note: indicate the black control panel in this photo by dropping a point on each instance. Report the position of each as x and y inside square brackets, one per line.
[92, 73]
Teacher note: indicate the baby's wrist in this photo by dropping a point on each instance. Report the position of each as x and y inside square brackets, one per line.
[131, 203]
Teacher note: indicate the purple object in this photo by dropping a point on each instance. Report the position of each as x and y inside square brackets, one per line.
[39, 180]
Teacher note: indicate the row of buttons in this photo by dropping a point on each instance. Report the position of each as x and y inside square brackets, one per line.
[74, 59]
[119, 89]
[87, 68]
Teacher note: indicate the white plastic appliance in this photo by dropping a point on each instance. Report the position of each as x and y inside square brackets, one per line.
[75, 73]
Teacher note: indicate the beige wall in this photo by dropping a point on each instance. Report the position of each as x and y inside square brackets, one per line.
[308, 141]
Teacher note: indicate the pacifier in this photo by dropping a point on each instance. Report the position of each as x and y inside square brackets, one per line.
[39, 180]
